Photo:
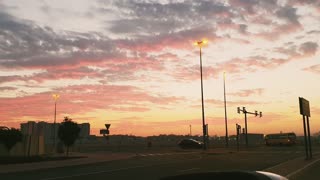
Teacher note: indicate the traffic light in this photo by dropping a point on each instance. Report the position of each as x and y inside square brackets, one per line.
[256, 113]
[244, 110]
[260, 114]
[238, 110]
[238, 129]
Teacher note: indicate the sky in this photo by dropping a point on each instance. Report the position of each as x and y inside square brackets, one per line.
[132, 64]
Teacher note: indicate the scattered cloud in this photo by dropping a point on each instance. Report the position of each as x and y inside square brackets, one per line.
[220, 103]
[106, 55]
[314, 69]
[247, 92]
[309, 48]
[84, 98]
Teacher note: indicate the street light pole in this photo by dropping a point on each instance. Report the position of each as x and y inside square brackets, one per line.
[225, 108]
[202, 102]
[55, 97]
[200, 44]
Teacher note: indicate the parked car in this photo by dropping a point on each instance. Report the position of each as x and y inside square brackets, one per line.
[190, 144]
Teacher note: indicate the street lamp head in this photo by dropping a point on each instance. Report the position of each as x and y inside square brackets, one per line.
[55, 96]
[201, 43]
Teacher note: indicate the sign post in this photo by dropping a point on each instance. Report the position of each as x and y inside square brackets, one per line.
[106, 131]
[305, 112]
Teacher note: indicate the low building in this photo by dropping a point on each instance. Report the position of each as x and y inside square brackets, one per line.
[50, 130]
[253, 139]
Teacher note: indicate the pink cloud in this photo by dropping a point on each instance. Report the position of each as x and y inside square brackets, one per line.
[81, 99]
[168, 57]
[123, 68]
[249, 64]
[220, 103]
[176, 40]
[314, 69]
[247, 92]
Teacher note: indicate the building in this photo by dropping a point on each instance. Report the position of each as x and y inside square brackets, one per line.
[253, 139]
[48, 131]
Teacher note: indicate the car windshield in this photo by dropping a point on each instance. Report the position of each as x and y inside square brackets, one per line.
[151, 89]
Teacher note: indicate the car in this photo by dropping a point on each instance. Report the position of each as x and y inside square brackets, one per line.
[190, 144]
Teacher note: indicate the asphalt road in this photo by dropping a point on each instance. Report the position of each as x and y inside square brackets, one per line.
[310, 173]
[155, 166]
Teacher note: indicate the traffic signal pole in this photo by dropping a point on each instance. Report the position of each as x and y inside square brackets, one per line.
[245, 119]
[238, 129]
[246, 127]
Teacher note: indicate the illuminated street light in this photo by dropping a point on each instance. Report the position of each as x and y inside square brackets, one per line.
[204, 129]
[55, 97]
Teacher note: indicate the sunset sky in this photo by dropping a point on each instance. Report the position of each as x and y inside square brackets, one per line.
[133, 63]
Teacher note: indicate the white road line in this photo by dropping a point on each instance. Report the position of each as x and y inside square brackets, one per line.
[301, 169]
[163, 154]
[280, 164]
[185, 170]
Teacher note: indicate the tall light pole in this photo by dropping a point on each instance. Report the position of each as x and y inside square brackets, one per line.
[225, 108]
[200, 44]
[55, 97]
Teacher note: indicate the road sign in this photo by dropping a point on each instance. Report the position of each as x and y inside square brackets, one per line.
[104, 131]
[304, 107]
[107, 126]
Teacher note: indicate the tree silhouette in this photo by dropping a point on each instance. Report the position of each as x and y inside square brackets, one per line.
[10, 137]
[68, 132]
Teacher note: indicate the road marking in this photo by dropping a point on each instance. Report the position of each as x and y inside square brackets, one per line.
[164, 154]
[301, 169]
[185, 170]
[280, 164]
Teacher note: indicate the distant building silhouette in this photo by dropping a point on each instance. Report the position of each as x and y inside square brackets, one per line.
[46, 130]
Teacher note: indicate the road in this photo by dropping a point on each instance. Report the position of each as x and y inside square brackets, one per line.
[310, 173]
[155, 166]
